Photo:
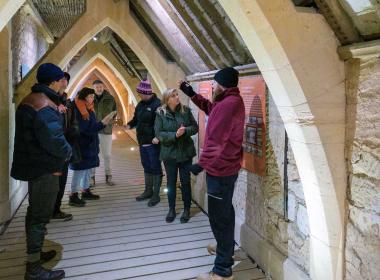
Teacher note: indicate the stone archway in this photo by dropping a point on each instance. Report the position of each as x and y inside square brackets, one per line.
[115, 15]
[306, 79]
[99, 65]
[99, 51]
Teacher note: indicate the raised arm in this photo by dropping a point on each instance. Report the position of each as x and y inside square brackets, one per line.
[203, 103]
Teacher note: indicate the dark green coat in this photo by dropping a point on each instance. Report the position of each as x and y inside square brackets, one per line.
[102, 108]
[166, 126]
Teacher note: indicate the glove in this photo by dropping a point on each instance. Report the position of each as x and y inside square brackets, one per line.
[187, 89]
[195, 169]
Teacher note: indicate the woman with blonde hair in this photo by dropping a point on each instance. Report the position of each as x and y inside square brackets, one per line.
[174, 127]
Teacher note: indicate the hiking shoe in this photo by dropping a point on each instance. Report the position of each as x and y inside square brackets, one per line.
[88, 195]
[34, 271]
[74, 200]
[62, 216]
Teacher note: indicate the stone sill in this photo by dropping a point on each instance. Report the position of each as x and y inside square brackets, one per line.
[364, 50]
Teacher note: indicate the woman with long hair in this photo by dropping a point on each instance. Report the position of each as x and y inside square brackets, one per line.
[87, 146]
[174, 127]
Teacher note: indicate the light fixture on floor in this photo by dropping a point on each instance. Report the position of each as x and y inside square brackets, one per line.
[132, 148]
[165, 190]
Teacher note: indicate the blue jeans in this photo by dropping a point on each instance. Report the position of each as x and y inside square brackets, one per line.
[172, 167]
[150, 159]
[81, 180]
[221, 213]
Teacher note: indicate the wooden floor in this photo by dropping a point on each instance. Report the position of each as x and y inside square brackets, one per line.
[119, 238]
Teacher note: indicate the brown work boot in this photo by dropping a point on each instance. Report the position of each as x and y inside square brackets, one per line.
[213, 276]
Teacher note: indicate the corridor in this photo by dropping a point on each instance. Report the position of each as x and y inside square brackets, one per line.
[119, 238]
[304, 167]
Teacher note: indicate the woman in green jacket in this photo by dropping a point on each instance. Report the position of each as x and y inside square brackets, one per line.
[174, 126]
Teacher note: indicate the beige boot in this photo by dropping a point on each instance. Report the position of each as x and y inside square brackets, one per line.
[211, 249]
[213, 276]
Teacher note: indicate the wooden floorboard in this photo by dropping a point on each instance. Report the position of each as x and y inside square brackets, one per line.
[117, 237]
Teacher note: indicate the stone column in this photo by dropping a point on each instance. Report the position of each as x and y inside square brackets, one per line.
[362, 258]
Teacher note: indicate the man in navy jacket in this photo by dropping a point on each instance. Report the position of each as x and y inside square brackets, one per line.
[40, 152]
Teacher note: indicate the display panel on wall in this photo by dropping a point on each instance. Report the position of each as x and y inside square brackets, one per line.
[253, 91]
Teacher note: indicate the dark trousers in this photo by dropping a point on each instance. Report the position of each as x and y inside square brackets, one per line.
[62, 186]
[222, 220]
[150, 159]
[172, 167]
[42, 196]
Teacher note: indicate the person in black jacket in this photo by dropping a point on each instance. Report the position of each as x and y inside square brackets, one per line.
[40, 152]
[143, 121]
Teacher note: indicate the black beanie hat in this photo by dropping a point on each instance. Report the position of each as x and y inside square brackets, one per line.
[48, 73]
[227, 77]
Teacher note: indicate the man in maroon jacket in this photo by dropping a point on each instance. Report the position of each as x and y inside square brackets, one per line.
[221, 158]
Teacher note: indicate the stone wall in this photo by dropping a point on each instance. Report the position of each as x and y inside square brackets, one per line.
[363, 154]
[11, 192]
[28, 44]
[265, 199]
[25, 47]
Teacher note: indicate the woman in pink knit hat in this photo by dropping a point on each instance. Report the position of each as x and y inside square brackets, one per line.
[143, 121]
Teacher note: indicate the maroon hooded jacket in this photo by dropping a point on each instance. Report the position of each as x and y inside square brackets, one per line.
[222, 152]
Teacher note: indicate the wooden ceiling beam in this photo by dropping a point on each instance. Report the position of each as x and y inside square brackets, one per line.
[210, 47]
[198, 14]
[190, 37]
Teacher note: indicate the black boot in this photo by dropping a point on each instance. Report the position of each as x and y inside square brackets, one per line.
[157, 180]
[62, 216]
[47, 256]
[170, 217]
[34, 271]
[89, 195]
[185, 216]
[148, 192]
[74, 200]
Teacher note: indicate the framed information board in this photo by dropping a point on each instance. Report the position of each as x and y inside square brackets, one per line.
[253, 91]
